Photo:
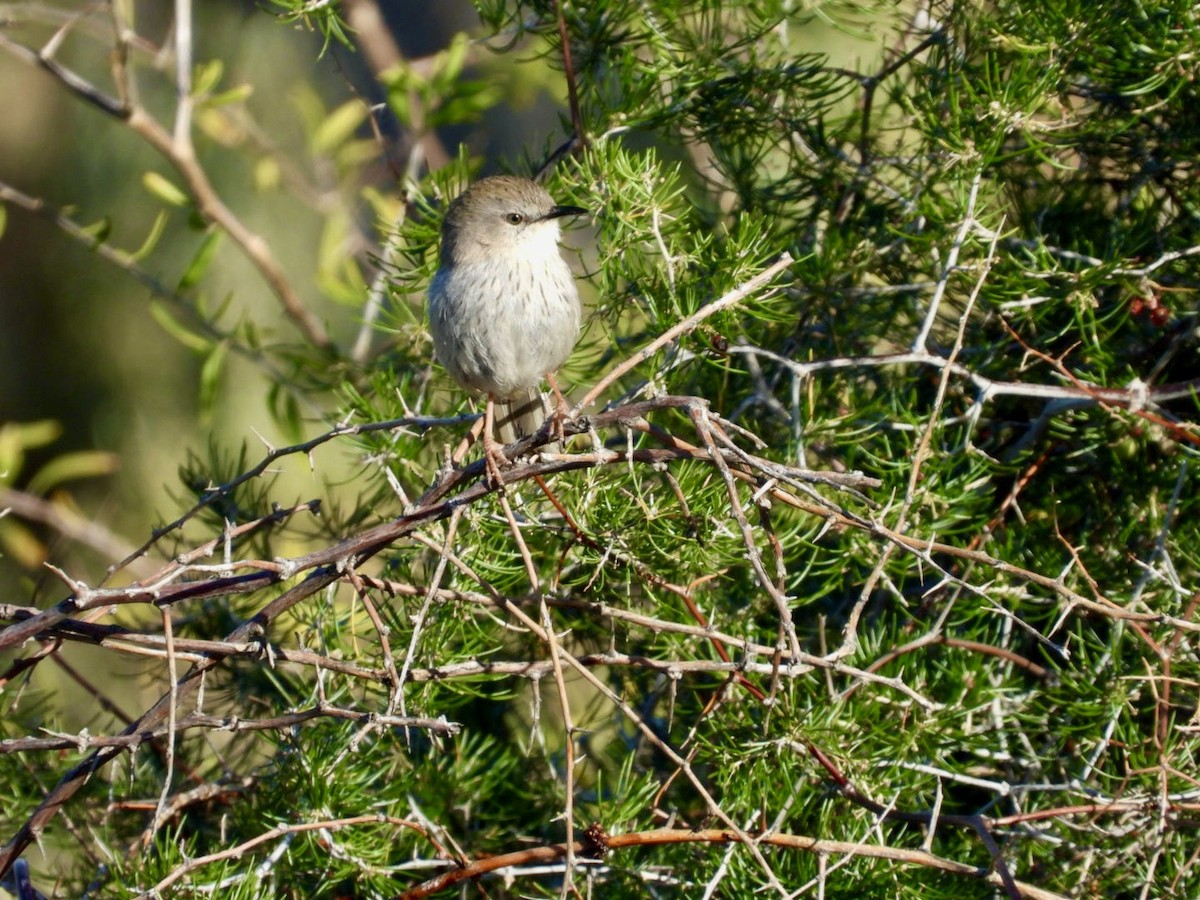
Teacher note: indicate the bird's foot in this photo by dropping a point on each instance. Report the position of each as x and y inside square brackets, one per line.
[494, 460]
[562, 412]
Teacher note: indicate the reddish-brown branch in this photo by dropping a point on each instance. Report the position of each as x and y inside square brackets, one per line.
[941, 640]
[597, 845]
[1183, 433]
[579, 138]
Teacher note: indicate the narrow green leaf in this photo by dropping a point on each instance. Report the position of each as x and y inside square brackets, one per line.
[18, 437]
[98, 230]
[248, 331]
[237, 94]
[164, 189]
[222, 308]
[29, 435]
[152, 238]
[454, 56]
[201, 261]
[72, 467]
[207, 77]
[210, 379]
[177, 329]
[339, 126]
[21, 545]
[266, 173]
[289, 417]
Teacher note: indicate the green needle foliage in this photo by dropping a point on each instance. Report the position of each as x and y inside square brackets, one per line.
[994, 216]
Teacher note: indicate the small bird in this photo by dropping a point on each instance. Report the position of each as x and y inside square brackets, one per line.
[503, 306]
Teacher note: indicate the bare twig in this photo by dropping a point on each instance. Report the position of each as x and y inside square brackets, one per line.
[282, 831]
[850, 632]
[140, 733]
[564, 702]
[172, 726]
[732, 298]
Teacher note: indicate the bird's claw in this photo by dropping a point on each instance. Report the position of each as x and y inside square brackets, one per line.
[494, 460]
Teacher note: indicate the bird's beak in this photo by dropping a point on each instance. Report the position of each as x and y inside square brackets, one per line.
[557, 212]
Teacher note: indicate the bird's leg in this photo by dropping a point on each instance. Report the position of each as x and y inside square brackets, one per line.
[561, 408]
[493, 453]
[472, 437]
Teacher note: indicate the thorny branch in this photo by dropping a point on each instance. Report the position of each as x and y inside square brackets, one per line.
[187, 578]
[747, 479]
[327, 565]
[177, 583]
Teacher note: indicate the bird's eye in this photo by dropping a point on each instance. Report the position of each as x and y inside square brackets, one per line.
[514, 218]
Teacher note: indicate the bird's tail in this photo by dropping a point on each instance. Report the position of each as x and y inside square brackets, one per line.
[519, 417]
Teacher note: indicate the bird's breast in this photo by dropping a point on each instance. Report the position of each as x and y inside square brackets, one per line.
[500, 325]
